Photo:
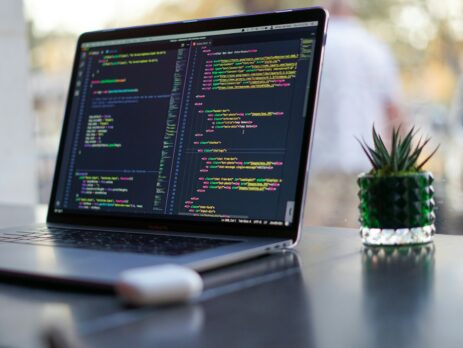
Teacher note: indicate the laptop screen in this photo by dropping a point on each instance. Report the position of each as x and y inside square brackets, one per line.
[205, 126]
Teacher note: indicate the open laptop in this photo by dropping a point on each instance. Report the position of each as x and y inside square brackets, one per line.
[182, 143]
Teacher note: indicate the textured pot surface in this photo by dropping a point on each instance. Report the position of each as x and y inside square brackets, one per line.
[396, 202]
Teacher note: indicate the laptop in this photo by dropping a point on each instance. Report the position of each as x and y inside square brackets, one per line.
[183, 143]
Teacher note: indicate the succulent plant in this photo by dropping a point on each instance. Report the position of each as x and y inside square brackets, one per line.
[403, 156]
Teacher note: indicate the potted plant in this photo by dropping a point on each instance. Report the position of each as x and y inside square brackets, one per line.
[396, 196]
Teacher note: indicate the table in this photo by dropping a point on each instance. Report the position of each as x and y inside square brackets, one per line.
[331, 292]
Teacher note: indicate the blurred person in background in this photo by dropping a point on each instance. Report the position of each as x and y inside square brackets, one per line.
[359, 87]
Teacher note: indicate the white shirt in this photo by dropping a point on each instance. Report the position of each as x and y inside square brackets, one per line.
[359, 78]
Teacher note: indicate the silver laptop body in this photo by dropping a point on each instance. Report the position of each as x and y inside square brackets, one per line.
[182, 143]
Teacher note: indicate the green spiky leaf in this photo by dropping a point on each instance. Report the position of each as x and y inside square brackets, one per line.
[402, 157]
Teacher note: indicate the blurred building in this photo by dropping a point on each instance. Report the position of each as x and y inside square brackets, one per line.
[17, 151]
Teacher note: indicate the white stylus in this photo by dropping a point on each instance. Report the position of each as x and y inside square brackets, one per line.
[165, 284]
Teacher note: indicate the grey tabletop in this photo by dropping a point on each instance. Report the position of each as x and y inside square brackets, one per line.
[329, 292]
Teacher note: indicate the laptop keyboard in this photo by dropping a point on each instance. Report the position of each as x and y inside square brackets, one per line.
[114, 241]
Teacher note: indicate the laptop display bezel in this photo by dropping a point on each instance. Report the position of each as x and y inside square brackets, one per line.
[150, 223]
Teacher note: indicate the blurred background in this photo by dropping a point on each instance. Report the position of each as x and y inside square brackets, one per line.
[401, 60]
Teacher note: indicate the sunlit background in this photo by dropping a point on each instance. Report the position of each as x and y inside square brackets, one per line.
[425, 37]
